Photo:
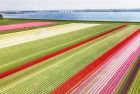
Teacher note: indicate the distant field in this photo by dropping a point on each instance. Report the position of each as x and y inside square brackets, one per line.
[8, 22]
[13, 21]
[45, 59]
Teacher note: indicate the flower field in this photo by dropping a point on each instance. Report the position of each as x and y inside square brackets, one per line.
[23, 25]
[69, 57]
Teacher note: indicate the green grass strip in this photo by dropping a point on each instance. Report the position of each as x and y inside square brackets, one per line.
[13, 21]
[120, 89]
[135, 87]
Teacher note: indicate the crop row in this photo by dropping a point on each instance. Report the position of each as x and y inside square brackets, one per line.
[135, 88]
[12, 22]
[24, 25]
[36, 34]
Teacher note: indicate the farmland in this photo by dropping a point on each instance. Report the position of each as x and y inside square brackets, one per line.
[74, 57]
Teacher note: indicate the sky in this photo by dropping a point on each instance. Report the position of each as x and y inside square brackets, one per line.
[67, 4]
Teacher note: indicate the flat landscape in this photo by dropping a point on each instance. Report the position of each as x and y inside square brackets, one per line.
[69, 57]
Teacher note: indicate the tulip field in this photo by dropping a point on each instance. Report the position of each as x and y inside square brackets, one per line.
[69, 57]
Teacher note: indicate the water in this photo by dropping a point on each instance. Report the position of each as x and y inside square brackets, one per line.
[90, 16]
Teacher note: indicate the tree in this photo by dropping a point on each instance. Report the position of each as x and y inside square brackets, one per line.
[1, 16]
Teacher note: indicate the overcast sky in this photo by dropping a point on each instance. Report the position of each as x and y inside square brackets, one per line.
[66, 4]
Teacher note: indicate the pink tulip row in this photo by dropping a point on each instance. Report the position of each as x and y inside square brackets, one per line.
[24, 25]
